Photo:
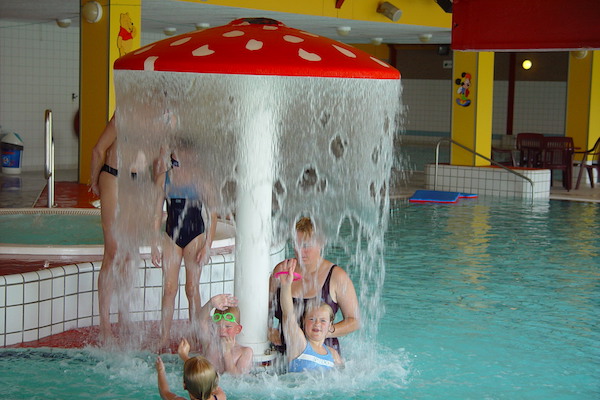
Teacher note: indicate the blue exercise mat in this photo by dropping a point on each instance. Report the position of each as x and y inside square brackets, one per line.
[437, 196]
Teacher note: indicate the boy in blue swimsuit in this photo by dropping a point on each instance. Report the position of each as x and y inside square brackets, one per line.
[305, 348]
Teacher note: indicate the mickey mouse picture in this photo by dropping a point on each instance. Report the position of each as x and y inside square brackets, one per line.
[464, 83]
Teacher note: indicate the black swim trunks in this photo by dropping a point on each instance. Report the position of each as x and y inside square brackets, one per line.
[115, 172]
[110, 170]
[184, 223]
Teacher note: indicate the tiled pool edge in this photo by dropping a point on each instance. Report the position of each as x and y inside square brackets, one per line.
[488, 181]
[34, 305]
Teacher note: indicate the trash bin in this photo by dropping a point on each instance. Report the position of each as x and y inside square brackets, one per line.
[12, 153]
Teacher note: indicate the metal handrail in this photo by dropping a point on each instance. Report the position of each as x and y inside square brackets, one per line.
[49, 169]
[437, 153]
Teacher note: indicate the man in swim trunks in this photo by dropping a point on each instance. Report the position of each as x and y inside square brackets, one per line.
[186, 236]
[103, 183]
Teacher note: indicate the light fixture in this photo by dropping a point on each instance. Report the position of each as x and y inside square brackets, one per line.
[170, 31]
[527, 64]
[343, 30]
[91, 12]
[389, 10]
[64, 22]
[376, 41]
[579, 54]
[425, 37]
[202, 25]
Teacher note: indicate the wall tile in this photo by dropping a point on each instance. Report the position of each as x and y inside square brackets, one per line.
[14, 318]
[14, 295]
[30, 316]
[31, 292]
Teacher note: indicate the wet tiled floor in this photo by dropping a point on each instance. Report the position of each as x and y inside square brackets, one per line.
[28, 189]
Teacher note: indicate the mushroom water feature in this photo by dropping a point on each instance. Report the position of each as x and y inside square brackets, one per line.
[277, 123]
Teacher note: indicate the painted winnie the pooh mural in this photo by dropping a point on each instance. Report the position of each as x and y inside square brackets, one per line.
[126, 34]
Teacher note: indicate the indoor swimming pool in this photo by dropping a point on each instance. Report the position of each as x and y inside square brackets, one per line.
[483, 299]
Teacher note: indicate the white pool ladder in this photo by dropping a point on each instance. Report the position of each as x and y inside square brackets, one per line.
[49, 170]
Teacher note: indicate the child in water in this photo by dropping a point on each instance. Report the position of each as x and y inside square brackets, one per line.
[305, 348]
[200, 380]
[219, 336]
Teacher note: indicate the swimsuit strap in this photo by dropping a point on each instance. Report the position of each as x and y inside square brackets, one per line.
[325, 296]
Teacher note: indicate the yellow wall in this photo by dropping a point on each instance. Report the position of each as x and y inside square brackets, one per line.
[583, 100]
[472, 124]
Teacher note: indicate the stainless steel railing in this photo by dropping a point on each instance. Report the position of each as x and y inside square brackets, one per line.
[49, 169]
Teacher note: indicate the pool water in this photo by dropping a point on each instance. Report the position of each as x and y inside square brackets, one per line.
[51, 229]
[483, 299]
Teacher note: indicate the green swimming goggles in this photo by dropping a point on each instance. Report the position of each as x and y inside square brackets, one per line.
[227, 317]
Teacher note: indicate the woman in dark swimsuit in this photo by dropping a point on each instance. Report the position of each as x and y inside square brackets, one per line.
[317, 276]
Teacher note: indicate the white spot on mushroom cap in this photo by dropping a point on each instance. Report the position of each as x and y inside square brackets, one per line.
[149, 63]
[378, 61]
[233, 34]
[143, 49]
[344, 51]
[292, 39]
[202, 51]
[270, 28]
[254, 45]
[181, 41]
[308, 56]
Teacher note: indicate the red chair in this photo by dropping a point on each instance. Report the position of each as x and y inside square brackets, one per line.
[558, 154]
[530, 146]
[589, 165]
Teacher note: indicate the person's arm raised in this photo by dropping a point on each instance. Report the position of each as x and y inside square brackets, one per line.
[294, 336]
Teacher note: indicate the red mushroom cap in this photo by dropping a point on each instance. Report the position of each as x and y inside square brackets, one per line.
[256, 46]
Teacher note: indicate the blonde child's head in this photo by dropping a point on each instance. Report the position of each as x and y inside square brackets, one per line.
[318, 305]
[200, 378]
[233, 310]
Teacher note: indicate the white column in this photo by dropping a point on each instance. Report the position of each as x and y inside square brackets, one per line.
[253, 230]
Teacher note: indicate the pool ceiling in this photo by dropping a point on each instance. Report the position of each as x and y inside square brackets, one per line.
[182, 15]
